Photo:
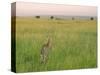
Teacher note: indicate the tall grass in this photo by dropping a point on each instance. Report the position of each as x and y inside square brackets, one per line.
[73, 44]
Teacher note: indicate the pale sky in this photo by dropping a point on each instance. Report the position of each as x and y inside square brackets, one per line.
[30, 9]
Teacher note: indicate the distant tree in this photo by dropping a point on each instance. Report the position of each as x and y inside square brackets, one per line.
[73, 18]
[91, 18]
[52, 17]
[37, 17]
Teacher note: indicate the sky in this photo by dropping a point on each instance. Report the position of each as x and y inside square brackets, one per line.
[31, 9]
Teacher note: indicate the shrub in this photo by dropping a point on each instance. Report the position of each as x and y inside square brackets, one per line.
[37, 17]
[51, 17]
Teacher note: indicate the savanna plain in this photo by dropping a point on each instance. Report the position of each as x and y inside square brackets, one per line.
[74, 44]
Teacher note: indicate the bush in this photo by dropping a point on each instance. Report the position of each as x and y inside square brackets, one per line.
[73, 18]
[37, 17]
[51, 17]
[91, 18]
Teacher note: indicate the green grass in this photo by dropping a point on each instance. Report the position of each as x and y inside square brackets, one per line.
[74, 44]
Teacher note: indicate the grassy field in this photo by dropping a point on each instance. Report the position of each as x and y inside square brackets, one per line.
[74, 44]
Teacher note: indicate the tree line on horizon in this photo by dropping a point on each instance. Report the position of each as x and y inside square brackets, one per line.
[52, 17]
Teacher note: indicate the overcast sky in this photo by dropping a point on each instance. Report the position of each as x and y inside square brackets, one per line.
[30, 9]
